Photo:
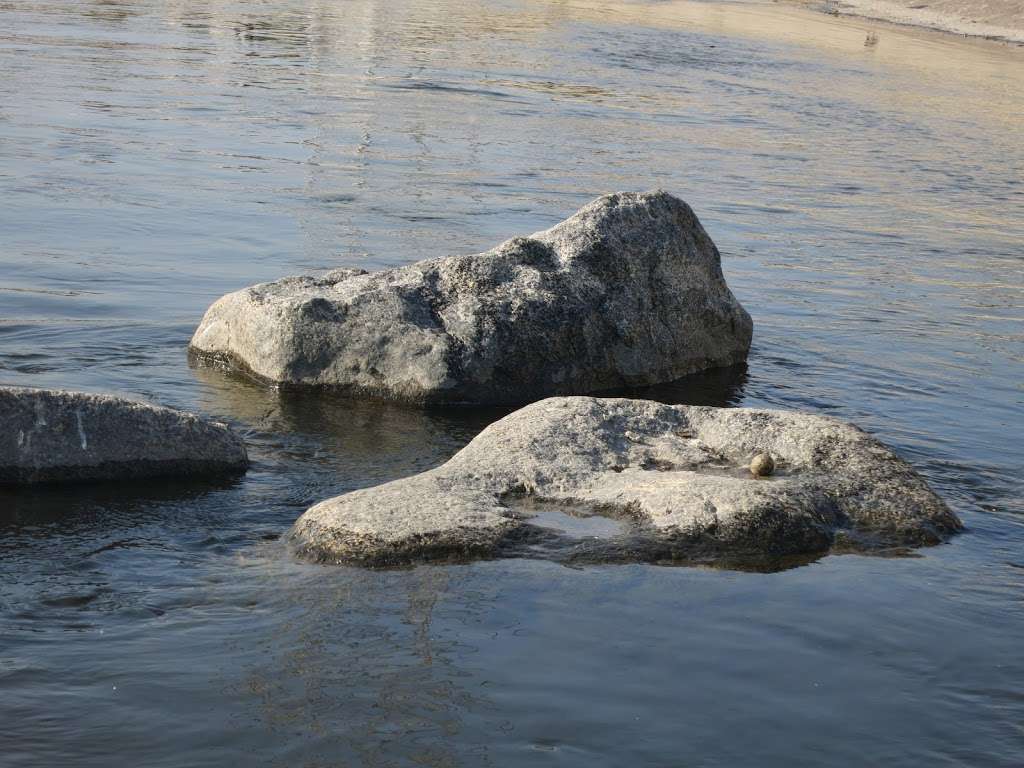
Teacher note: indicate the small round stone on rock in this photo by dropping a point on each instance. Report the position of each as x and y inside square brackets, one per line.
[762, 465]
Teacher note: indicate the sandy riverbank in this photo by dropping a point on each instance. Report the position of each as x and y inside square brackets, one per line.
[998, 19]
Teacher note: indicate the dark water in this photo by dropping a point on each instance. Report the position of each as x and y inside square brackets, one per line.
[869, 203]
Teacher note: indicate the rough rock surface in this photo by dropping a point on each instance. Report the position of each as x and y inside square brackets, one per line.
[627, 292]
[57, 436]
[680, 473]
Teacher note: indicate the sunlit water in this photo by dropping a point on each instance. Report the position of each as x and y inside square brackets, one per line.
[869, 204]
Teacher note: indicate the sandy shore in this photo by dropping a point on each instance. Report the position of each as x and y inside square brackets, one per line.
[998, 19]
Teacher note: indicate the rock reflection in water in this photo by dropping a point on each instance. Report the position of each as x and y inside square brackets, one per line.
[358, 669]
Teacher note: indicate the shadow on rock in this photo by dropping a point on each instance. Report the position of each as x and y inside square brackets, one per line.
[576, 536]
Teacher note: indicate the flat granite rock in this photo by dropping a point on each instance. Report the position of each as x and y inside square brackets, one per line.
[679, 475]
[627, 292]
[49, 436]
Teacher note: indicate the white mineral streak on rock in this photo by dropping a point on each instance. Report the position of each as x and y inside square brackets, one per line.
[44, 439]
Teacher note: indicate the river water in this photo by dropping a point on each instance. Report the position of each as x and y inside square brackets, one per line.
[869, 205]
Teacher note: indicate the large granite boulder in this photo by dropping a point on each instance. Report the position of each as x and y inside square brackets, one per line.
[57, 436]
[678, 476]
[627, 292]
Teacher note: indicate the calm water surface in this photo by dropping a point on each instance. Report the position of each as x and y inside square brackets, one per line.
[869, 204]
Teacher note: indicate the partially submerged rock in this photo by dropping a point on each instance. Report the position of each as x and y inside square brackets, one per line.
[627, 292]
[678, 474]
[57, 436]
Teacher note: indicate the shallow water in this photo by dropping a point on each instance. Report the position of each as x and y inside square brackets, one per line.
[869, 204]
